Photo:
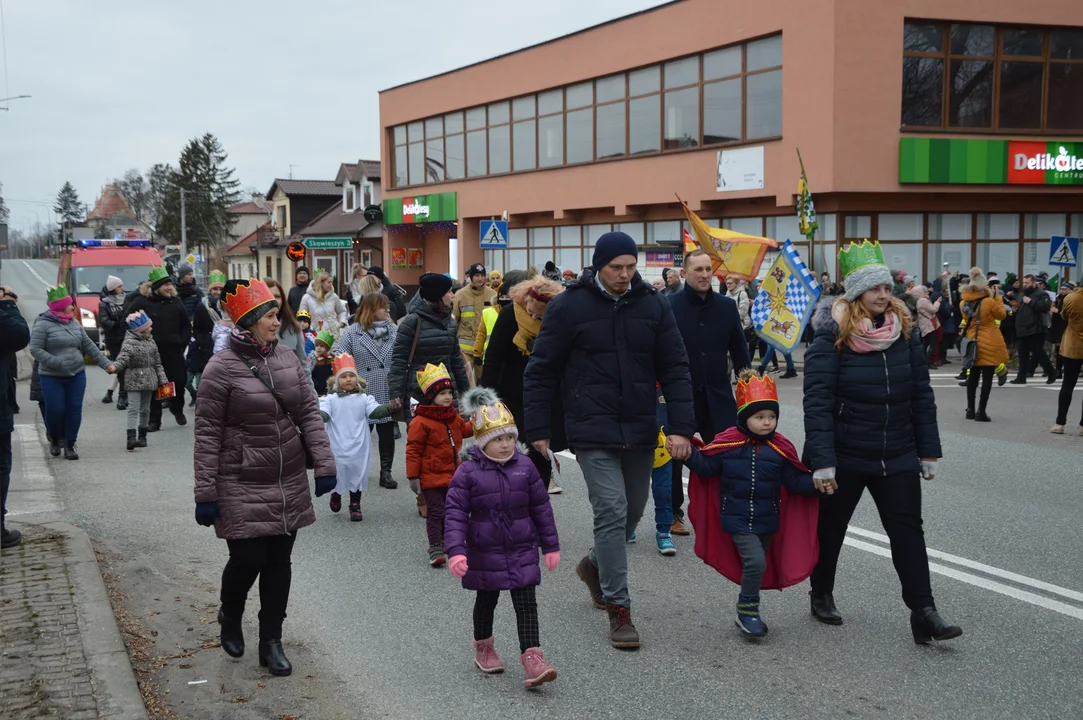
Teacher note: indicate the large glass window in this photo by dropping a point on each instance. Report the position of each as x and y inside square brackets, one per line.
[524, 146]
[569, 236]
[903, 256]
[455, 153]
[722, 111]
[476, 154]
[417, 163]
[952, 226]
[609, 132]
[499, 149]
[763, 105]
[998, 226]
[1000, 258]
[858, 227]
[968, 76]
[748, 226]
[1036, 259]
[900, 227]
[644, 125]
[1043, 225]
[550, 141]
[580, 136]
[682, 118]
[946, 256]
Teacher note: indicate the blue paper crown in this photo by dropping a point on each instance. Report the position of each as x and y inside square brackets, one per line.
[138, 321]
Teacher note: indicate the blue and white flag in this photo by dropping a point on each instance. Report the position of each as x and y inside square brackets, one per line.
[785, 301]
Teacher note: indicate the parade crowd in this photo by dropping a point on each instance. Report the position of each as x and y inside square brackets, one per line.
[492, 379]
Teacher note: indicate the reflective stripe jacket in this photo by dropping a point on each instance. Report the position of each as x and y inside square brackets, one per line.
[467, 307]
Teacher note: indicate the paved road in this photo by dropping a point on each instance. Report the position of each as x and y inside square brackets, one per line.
[1002, 518]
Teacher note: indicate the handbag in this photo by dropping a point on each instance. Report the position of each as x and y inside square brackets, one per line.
[970, 354]
[400, 414]
[310, 462]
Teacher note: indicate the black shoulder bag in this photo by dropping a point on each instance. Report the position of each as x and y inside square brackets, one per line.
[310, 462]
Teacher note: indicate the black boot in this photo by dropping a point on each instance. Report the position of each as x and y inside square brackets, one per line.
[926, 624]
[122, 400]
[179, 415]
[823, 608]
[133, 441]
[386, 481]
[232, 637]
[142, 441]
[69, 450]
[54, 446]
[108, 397]
[154, 426]
[272, 657]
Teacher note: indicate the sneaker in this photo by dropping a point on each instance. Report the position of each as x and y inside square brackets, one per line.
[485, 657]
[588, 573]
[632, 539]
[678, 528]
[554, 489]
[665, 544]
[1019, 381]
[748, 617]
[789, 374]
[1057, 430]
[436, 556]
[536, 671]
[622, 633]
[336, 502]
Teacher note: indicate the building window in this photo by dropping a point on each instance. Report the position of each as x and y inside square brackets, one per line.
[550, 129]
[366, 195]
[348, 198]
[268, 267]
[281, 214]
[278, 268]
[524, 136]
[970, 77]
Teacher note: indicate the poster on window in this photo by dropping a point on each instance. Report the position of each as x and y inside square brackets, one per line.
[415, 257]
[398, 258]
[660, 259]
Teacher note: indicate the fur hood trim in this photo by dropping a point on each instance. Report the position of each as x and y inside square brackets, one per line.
[476, 398]
[145, 289]
[823, 322]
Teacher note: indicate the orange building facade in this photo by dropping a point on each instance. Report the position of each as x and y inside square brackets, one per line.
[950, 130]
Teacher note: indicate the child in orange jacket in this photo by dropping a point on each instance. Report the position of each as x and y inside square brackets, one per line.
[433, 441]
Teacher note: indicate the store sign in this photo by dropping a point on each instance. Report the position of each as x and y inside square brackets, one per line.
[660, 259]
[740, 169]
[421, 209]
[295, 252]
[958, 161]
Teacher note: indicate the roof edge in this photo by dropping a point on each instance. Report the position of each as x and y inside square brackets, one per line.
[535, 45]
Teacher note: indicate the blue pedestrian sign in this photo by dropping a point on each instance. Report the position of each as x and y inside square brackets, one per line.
[494, 234]
[1063, 251]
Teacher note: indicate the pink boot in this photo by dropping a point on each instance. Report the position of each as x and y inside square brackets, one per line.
[485, 657]
[535, 669]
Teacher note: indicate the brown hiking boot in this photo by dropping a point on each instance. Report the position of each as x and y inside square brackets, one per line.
[678, 527]
[588, 573]
[622, 633]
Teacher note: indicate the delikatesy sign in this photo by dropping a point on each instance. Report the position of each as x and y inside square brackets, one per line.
[1039, 163]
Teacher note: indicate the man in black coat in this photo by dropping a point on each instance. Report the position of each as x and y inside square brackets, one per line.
[711, 329]
[395, 296]
[1032, 320]
[300, 287]
[172, 330]
[14, 336]
[604, 342]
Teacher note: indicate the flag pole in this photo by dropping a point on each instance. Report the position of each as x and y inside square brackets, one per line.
[812, 237]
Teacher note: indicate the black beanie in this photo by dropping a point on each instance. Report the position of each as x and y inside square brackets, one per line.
[377, 271]
[433, 286]
[612, 245]
[301, 269]
[751, 409]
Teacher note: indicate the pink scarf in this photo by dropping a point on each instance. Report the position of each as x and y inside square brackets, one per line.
[871, 338]
[55, 307]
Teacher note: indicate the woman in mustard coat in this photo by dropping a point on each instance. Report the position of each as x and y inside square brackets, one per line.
[982, 313]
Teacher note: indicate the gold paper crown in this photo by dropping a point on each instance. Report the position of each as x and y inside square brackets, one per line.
[246, 297]
[430, 374]
[342, 362]
[755, 389]
[855, 256]
[490, 419]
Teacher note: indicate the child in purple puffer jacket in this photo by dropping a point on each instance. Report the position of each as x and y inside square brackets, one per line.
[497, 514]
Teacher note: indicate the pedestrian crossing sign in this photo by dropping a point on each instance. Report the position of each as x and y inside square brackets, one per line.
[1063, 251]
[494, 234]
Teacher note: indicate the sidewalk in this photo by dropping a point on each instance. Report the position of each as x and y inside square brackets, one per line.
[61, 652]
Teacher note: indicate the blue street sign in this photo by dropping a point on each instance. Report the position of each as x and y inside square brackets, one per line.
[1063, 251]
[494, 234]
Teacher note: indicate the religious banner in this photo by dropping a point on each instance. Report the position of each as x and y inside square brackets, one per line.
[785, 301]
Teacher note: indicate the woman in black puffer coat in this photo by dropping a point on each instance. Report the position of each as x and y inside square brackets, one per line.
[870, 421]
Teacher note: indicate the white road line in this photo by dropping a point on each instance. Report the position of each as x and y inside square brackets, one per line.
[977, 581]
[35, 273]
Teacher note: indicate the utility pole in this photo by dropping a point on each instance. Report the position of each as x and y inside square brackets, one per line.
[184, 230]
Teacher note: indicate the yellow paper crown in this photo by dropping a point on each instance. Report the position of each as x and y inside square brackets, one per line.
[491, 419]
[430, 374]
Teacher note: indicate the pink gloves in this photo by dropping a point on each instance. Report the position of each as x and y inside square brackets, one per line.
[457, 565]
[552, 560]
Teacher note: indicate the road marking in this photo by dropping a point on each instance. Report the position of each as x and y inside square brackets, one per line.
[34, 273]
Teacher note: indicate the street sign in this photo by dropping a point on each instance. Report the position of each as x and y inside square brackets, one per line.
[295, 251]
[374, 213]
[328, 243]
[494, 234]
[1063, 251]
[191, 258]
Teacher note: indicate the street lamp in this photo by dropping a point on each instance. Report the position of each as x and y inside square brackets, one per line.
[13, 97]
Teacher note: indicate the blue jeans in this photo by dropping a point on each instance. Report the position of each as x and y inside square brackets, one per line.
[662, 490]
[770, 356]
[63, 404]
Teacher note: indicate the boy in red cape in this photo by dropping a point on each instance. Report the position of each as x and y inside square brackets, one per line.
[753, 503]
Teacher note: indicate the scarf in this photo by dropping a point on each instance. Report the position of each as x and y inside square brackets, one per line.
[871, 338]
[440, 413]
[528, 330]
[62, 317]
[380, 330]
[247, 338]
[355, 289]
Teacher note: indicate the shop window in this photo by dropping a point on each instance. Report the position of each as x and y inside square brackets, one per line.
[633, 230]
[591, 233]
[903, 256]
[524, 145]
[569, 258]
[580, 132]
[644, 125]
[499, 149]
[827, 227]
[1036, 259]
[609, 132]
[666, 232]
[1001, 258]
[1077, 225]
[954, 257]
[455, 157]
[748, 226]
[550, 141]
[476, 155]
[783, 227]
[1043, 225]
[954, 75]
[858, 227]
[900, 227]
[516, 260]
[517, 238]
[541, 237]
[494, 260]
[949, 226]
[996, 226]
[569, 236]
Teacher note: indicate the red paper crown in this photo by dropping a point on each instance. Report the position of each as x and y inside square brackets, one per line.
[246, 298]
[756, 389]
[343, 362]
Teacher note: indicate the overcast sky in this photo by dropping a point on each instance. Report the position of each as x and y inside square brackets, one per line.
[119, 84]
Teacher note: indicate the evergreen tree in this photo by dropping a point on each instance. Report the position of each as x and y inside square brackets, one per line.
[210, 189]
[68, 206]
[158, 179]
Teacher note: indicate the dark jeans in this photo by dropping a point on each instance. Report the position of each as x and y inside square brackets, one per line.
[526, 616]
[770, 357]
[5, 476]
[269, 559]
[1071, 377]
[177, 372]
[435, 502]
[1032, 350]
[985, 374]
[753, 550]
[385, 432]
[63, 398]
[707, 432]
[898, 500]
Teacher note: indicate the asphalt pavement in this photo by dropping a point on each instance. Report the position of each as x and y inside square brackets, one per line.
[1001, 520]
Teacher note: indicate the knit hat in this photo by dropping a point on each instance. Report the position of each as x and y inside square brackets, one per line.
[246, 301]
[377, 271]
[184, 270]
[139, 322]
[434, 286]
[569, 275]
[755, 392]
[475, 269]
[863, 268]
[433, 379]
[491, 417]
[978, 280]
[113, 282]
[612, 245]
[158, 276]
[301, 269]
[495, 275]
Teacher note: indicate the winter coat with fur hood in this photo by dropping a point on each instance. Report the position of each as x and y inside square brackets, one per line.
[248, 454]
[172, 329]
[983, 327]
[869, 414]
[142, 365]
[498, 515]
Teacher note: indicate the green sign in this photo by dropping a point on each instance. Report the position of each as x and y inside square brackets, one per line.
[959, 161]
[328, 243]
[422, 209]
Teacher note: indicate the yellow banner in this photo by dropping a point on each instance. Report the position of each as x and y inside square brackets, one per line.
[732, 253]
